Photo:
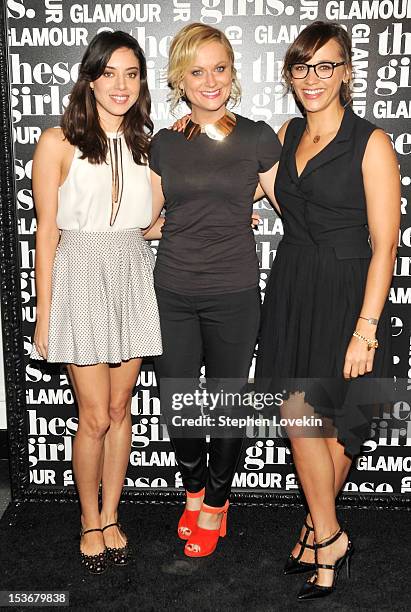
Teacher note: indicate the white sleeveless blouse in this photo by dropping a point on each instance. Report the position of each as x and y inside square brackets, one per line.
[85, 197]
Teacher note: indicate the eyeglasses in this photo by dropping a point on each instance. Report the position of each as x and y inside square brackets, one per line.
[324, 70]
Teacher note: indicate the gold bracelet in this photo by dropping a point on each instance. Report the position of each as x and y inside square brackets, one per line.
[372, 342]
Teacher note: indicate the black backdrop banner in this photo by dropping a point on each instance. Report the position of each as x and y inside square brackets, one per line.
[46, 39]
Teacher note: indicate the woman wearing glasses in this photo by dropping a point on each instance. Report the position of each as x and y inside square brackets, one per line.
[325, 314]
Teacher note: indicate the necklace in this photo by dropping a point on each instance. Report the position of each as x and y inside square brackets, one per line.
[216, 131]
[317, 137]
[117, 179]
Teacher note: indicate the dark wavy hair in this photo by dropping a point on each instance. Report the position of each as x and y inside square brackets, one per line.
[80, 122]
[307, 43]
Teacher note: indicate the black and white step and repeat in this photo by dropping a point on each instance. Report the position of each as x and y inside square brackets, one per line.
[46, 41]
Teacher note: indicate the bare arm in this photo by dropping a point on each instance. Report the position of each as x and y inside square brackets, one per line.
[267, 179]
[382, 191]
[47, 173]
[259, 193]
[153, 232]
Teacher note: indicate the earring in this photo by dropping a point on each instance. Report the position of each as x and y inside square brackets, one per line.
[347, 93]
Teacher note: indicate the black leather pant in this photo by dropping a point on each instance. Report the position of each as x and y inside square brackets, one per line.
[219, 331]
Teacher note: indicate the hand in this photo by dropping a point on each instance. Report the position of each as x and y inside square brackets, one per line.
[255, 219]
[358, 359]
[180, 124]
[41, 338]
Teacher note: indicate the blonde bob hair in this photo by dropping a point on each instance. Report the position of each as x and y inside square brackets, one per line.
[183, 49]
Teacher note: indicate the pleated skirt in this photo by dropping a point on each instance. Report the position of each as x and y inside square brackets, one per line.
[103, 308]
[311, 307]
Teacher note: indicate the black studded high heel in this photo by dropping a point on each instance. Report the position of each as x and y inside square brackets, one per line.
[293, 564]
[312, 590]
[94, 564]
[118, 556]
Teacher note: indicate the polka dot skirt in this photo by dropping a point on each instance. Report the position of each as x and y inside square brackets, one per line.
[104, 308]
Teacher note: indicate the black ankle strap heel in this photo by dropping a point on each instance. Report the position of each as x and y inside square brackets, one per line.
[293, 565]
[313, 590]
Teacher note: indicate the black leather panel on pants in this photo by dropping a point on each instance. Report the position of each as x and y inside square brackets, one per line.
[221, 331]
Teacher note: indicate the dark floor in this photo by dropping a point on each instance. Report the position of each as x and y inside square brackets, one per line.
[39, 545]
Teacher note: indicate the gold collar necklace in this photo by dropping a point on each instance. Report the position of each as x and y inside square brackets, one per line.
[216, 131]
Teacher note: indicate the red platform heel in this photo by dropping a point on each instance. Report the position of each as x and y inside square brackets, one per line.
[188, 520]
[203, 542]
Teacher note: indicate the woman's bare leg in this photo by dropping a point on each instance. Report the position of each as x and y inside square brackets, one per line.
[341, 462]
[92, 389]
[342, 465]
[117, 445]
[315, 470]
[335, 463]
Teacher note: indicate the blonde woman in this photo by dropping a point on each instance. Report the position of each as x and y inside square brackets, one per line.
[206, 274]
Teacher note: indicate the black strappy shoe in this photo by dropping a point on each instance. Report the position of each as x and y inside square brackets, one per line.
[293, 564]
[95, 564]
[312, 590]
[118, 556]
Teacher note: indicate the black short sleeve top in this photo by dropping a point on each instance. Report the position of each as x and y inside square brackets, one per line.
[207, 244]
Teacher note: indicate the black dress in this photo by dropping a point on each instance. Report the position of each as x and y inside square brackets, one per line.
[317, 282]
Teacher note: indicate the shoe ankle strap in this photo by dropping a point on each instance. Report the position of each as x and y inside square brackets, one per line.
[213, 510]
[197, 494]
[303, 544]
[111, 525]
[325, 566]
[333, 538]
[83, 532]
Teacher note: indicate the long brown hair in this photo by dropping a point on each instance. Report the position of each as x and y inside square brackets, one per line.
[307, 43]
[80, 122]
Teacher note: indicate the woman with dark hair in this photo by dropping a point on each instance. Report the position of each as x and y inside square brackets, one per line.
[325, 319]
[96, 307]
[206, 273]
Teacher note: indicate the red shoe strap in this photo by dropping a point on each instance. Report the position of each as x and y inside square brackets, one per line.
[213, 510]
[194, 495]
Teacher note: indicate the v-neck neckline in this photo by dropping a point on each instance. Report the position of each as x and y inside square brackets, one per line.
[298, 140]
